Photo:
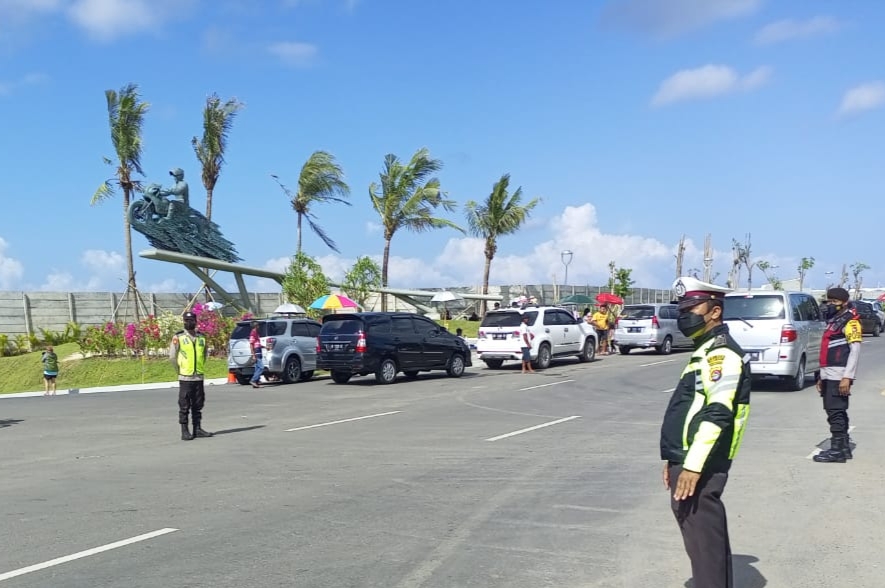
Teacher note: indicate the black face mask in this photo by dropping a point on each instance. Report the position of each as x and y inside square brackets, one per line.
[831, 310]
[190, 325]
[690, 324]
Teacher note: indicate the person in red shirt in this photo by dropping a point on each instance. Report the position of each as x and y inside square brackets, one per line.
[256, 347]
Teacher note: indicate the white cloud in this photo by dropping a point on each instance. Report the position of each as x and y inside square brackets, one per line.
[373, 228]
[63, 281]
[30, 79]
[105, 20]
[11, 269]
[168, 285]
[868, 96]
[670, 18]
[708, 81]
[788, 29]
[103, 262]
[294, 53]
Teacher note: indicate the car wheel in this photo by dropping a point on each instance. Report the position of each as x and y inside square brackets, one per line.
[543, 361]
[797, 382]
[341, 377]
[494, 364]
[877, 330]
[292, 370]
[589, 351]
[624, 350]
[411, 374]
[456, 366]
[305, 376]
[666, 347]
[243, 380]
[386, 373]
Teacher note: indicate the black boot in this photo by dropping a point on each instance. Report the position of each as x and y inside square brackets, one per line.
[846, 450]
[199, 432]
[836, 452]
[185, 433]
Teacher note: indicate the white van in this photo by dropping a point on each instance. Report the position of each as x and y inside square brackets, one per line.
[780, 331]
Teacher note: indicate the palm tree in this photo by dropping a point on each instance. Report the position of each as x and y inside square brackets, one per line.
[126, 113]
[408, 196]
[218, 119]
[321, 180]
[500, 214]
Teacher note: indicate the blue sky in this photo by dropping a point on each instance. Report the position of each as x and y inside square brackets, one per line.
[635, 121]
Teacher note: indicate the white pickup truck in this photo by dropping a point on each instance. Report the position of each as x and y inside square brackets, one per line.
[556, 331]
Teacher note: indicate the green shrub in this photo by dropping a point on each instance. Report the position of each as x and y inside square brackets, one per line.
[5, 349]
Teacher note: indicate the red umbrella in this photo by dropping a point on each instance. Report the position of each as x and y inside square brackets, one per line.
[608, 298]
[881, 297]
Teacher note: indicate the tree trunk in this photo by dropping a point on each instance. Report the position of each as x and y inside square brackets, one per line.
[298, 248]
[132, 289]
[209, 203]
[384, 274]
[485, 284]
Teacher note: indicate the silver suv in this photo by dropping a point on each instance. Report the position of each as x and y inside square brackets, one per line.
[555, 333]
[289, 349]
[780, 331]
[646, 326]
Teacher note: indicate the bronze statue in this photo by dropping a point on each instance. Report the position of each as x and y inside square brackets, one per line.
[174, 226]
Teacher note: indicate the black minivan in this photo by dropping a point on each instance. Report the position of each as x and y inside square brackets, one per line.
[384, 343]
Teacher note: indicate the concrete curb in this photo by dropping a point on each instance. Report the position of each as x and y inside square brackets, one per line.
[120, 388]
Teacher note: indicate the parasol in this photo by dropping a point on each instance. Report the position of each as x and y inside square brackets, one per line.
[289, 308]
[333, 302]
[608, 298]
[444, 297]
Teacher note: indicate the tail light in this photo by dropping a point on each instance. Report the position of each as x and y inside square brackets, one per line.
[515, 334]
[270, 342]
[319, 348]
[654, 323]
[360, 342]
[788, 334]
[481, 335]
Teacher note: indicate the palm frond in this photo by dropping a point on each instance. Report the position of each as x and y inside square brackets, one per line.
[104, 191]
[322, 234]
[218, 121]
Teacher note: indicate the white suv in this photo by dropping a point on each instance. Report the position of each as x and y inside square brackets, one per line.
[556, 331]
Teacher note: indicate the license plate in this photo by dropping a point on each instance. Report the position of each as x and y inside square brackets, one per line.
[754, 356]
[499, 336]
[634, 329]
[335, 347]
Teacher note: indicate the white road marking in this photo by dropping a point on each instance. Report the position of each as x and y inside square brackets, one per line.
[545, 385]
[818, 449]
[82, 554]
[536, 427]
[656, 362]
[368, 416]
[585, 508]
[667, 391]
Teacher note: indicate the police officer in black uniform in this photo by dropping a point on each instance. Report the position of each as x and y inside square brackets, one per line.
[702, 431]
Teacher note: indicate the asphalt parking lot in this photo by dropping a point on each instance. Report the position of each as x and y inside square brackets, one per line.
[496, 479]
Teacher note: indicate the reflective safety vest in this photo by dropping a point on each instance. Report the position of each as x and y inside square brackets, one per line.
[841, 331]
[191, 354]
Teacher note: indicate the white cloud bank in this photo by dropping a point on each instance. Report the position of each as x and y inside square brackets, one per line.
[670, 18]
[294, 53]
[706, 82]
[8, 87]
[11, 269]
[868, 96]
[789, 29]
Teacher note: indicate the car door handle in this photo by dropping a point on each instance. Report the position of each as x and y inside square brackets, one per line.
[546, 329]
[566, 329]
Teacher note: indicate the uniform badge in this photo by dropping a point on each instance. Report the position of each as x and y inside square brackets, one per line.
[679, 289]
[716, 374]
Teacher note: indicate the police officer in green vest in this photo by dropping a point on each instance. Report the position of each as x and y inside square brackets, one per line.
[188, 354]
[702, 430]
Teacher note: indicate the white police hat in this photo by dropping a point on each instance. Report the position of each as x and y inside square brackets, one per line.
[690, 291]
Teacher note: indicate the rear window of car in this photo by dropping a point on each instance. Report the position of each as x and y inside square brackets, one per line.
[341, 326]
[753, 307]
[638, 312]
[265, 329]
[507, 319]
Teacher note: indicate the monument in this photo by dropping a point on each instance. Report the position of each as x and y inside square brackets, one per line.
[172, 225]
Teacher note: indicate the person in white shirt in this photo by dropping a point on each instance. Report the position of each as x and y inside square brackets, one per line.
[525, 339]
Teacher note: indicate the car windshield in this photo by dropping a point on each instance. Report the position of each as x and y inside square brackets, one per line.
[638, 312]
[341, 326]
[753, 307]
[507, 319]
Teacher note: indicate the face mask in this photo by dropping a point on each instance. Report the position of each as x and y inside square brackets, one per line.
[190, 325]
[691, 324]
[832, 310]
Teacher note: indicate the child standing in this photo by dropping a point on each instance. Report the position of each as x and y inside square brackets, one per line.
[50, 371]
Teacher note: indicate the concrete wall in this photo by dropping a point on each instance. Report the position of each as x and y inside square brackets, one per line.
[28, 312]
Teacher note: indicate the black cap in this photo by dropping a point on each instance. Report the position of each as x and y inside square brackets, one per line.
[838, 294]
[189, 315]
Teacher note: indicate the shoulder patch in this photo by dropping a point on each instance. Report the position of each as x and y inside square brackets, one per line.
[719, 341]
[715, 360]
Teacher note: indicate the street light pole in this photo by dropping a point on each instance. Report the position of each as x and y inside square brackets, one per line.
[566, 257]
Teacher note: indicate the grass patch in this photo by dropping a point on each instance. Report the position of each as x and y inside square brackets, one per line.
[471, 328]
[24, 373]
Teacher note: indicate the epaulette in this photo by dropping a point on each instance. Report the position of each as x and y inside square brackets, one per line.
[719, 341]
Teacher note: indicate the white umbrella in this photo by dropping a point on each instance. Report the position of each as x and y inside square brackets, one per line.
[214, 305]
[446, 296]
[289, 308]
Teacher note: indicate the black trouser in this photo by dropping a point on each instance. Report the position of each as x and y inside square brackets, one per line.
[836, 407]
[191, 397]
[704, 529]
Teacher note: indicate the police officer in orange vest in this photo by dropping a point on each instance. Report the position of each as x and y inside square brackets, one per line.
[188, 354]
[840, 350]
